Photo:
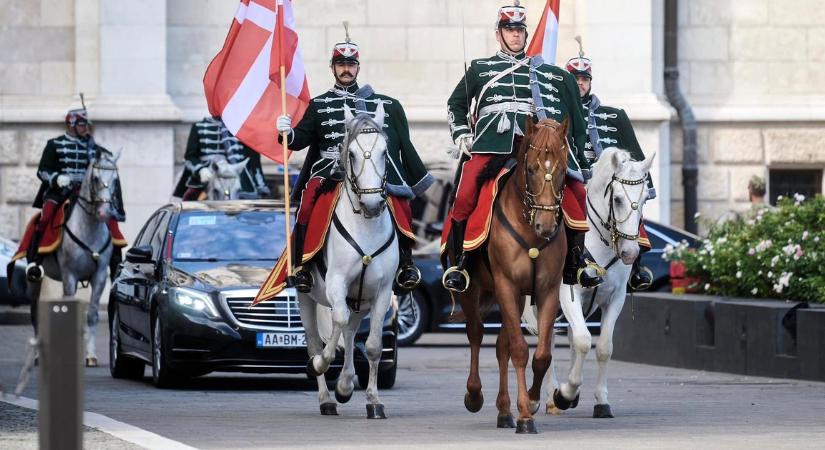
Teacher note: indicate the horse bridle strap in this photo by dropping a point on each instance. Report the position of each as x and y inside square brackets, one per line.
[532, 252]
[611, 225]
[355, 303]
[95, 254]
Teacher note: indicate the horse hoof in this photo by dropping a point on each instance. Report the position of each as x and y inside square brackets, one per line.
[534, 406]
[473, 405]
[311, 369]
[329, 409]
[91, 361]
[552, 410]
[602, 412]
[505, 421]
[526, 426]
[341, 398]
[375, 411]
[562, 403]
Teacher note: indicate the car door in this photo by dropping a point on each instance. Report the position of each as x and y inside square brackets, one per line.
[152, 276]
[130, 287]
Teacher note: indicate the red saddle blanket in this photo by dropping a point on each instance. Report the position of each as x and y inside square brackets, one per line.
[53, 235]
[478, 224]
[316, 236]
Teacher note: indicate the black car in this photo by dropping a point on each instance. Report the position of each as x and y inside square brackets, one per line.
[180, 299]
[428, 307]
[12, 292]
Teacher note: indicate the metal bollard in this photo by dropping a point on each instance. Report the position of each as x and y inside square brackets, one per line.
[60, 414]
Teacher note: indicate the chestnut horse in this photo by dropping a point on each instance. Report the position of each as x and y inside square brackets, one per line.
[524, 255]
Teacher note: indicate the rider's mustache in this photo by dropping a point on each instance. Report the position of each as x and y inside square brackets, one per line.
[346, 73]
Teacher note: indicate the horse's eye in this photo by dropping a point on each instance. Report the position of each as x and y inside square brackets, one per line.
[531, 170]
[617, 200]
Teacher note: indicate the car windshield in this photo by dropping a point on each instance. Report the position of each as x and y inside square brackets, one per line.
[229, 236]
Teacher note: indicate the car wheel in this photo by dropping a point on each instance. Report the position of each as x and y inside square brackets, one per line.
[162, 373]
[120, 365]
[413, 317]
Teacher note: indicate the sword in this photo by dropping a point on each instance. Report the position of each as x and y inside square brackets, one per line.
[463, 158]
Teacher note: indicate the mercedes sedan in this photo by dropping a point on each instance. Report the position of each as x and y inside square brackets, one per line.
[180, 301]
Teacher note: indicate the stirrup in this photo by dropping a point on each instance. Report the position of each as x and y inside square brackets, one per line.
[463, 273]
[410, 284]
[588, 264]
[302, 283]
[34, 272]
[643, 285]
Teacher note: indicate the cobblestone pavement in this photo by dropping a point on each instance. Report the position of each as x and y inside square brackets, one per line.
[655, 407]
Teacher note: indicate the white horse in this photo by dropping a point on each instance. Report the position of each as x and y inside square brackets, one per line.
[615, 199]
[225, 183]
[361, 253]
[86, 247]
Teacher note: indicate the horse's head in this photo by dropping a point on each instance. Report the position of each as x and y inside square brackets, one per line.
[542, 162]
[617, 194]
[225, 184]
[364, 159]
[99, 184]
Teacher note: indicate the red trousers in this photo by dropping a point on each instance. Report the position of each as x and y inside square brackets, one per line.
[50, 207]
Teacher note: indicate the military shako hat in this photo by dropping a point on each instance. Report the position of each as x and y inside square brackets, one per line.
[75, 116]
[345, 51]
[512, 16]
[580, 66]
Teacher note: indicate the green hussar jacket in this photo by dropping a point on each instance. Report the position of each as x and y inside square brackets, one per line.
[322, 130]
[610, 127]
[534, 89]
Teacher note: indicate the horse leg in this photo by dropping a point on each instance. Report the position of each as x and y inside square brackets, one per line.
[543, 355]
[567, 395]
[314, 347]
[375, 409]
[92, 314]
[336, 294]
[604, 350]
[509, 301]
[345, 385]
[473, 398]
[505, 417]
[550, 408]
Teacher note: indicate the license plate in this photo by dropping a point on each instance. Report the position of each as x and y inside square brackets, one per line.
[282, 340]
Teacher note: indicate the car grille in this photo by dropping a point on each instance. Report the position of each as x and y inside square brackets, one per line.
[279, 313]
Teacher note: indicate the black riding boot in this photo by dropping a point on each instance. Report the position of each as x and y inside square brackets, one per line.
[114, 262]
[408, 276]
[301, 278]
[34, 269]
[578, 259]
[456, 278]
[640, 277]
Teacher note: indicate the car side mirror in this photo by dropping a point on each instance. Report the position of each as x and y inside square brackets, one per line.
[139, 255]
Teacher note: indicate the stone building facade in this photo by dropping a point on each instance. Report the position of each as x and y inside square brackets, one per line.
[752, 70]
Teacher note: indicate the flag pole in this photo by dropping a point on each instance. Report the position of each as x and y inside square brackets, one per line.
[284, 137]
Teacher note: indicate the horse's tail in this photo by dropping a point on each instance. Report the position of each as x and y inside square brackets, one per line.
[323, 319]
[529, 320]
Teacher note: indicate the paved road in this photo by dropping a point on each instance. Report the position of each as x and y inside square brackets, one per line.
[656, 407]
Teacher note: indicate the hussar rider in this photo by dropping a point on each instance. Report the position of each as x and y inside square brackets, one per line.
[322, 129]
[610, 127]
[209, 141]
[61, 170]
[508, 89]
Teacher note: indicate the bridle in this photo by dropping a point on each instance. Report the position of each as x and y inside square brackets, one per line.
[351, 181]
[531, 205]
[611, 225]
[94, 199]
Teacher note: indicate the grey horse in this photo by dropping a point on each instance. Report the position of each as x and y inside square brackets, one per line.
[86, 247]
[225, 184]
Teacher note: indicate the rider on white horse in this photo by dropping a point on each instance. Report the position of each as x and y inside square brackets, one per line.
[209, 142]
[322, 130]
[61, 170]
[610, 127]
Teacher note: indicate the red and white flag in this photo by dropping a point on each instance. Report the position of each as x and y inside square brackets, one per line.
[546, 37]
[242, 83]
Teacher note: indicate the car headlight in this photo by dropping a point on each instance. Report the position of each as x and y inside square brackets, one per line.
[195, 301]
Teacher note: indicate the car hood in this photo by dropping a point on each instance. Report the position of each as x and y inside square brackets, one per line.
[221, 275]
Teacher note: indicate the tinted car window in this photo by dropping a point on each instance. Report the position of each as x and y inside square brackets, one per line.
[148, 230]
[229, 236]
[157, 237]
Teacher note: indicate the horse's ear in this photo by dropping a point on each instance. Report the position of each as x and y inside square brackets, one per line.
[117, 156]
[565, 125]
[238, 167]
[648, 162]
[379, 115]
[616, 160]
[348, 116]
[530, 128]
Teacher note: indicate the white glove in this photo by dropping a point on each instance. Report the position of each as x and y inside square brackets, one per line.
[463, 145]
[63, 181]
[205, 174]
[284, 124]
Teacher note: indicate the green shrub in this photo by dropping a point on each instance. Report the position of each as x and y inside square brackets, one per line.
[767, 253]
